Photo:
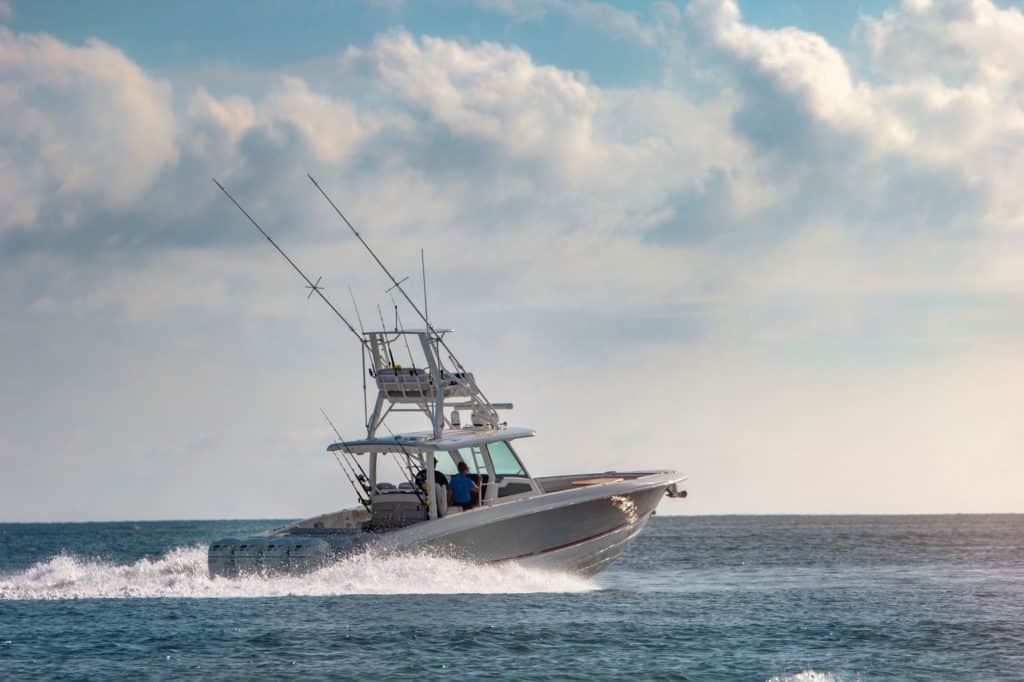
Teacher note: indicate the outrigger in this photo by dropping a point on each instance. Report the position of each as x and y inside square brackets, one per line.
[577, 522]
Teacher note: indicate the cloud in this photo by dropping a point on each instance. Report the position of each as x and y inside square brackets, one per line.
[538, 144]
[624, 25]
[609, 19]
[782, 67]
[479, 141]
[929, 147]
[6, 11]
[954, 72]
[788, 215]
[959, 42]
[485, 91]
[85, 128]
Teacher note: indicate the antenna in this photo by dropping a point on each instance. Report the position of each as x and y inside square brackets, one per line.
[492, 413]
[366, 408]
[358, 316]
[384, 328]
[395, 282]
[405, 337]
[423, 269]
[309, 283]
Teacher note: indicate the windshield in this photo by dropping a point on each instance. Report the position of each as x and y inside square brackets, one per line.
[504, 460]
[444, 463]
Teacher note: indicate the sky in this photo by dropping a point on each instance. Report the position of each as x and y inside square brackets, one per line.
[776, 246]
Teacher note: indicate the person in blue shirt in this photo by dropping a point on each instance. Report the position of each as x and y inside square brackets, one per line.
[461, 488]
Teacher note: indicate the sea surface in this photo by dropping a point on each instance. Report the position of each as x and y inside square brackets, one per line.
[696, 598]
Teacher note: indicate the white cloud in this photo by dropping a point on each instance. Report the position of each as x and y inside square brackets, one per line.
[619, 23]
[330, 125]
[959, 41]
[531, 153]
[543, 144]
[6, 11]
[795, 63]
[487, 91]
[937, 143]
[955, 74]
[607, 18]
[500, 150]
[84, 128]
[795, 209]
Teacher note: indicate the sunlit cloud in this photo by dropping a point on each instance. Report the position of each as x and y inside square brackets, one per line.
[788, 213]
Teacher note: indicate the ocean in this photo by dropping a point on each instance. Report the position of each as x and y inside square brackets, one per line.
[802, 598]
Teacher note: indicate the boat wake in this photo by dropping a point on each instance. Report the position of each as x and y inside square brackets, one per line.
[808, 676]
[182, 572]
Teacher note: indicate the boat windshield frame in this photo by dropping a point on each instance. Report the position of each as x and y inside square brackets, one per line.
[474, 451]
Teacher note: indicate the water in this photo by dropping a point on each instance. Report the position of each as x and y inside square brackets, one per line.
[696, 598]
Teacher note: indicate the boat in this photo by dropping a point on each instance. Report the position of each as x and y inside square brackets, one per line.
[404, 481]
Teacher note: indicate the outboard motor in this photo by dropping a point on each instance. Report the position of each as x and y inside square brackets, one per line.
[221, 558]
[231, 558]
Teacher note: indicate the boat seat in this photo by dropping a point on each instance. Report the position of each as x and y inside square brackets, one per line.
[397, 511]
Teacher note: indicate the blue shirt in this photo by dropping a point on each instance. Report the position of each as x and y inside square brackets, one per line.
[462, 488]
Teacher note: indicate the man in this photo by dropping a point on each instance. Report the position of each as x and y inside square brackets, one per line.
[462, 490]
[421, 478]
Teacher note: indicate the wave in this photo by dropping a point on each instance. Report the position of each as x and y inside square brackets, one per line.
[182, 572]
[807, 676]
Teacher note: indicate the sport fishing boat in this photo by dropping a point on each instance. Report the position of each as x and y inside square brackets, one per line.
[576, 522]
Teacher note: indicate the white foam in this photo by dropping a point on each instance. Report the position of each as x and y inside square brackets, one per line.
[807, 676]
[182, 572]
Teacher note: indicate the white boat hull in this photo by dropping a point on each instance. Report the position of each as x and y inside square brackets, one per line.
[577, 529]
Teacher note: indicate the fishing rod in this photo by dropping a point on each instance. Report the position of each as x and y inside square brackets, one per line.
[313, 287]
[420, 495]
[362, 479]
[362, 500]
[362, 472]
[398, 285]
